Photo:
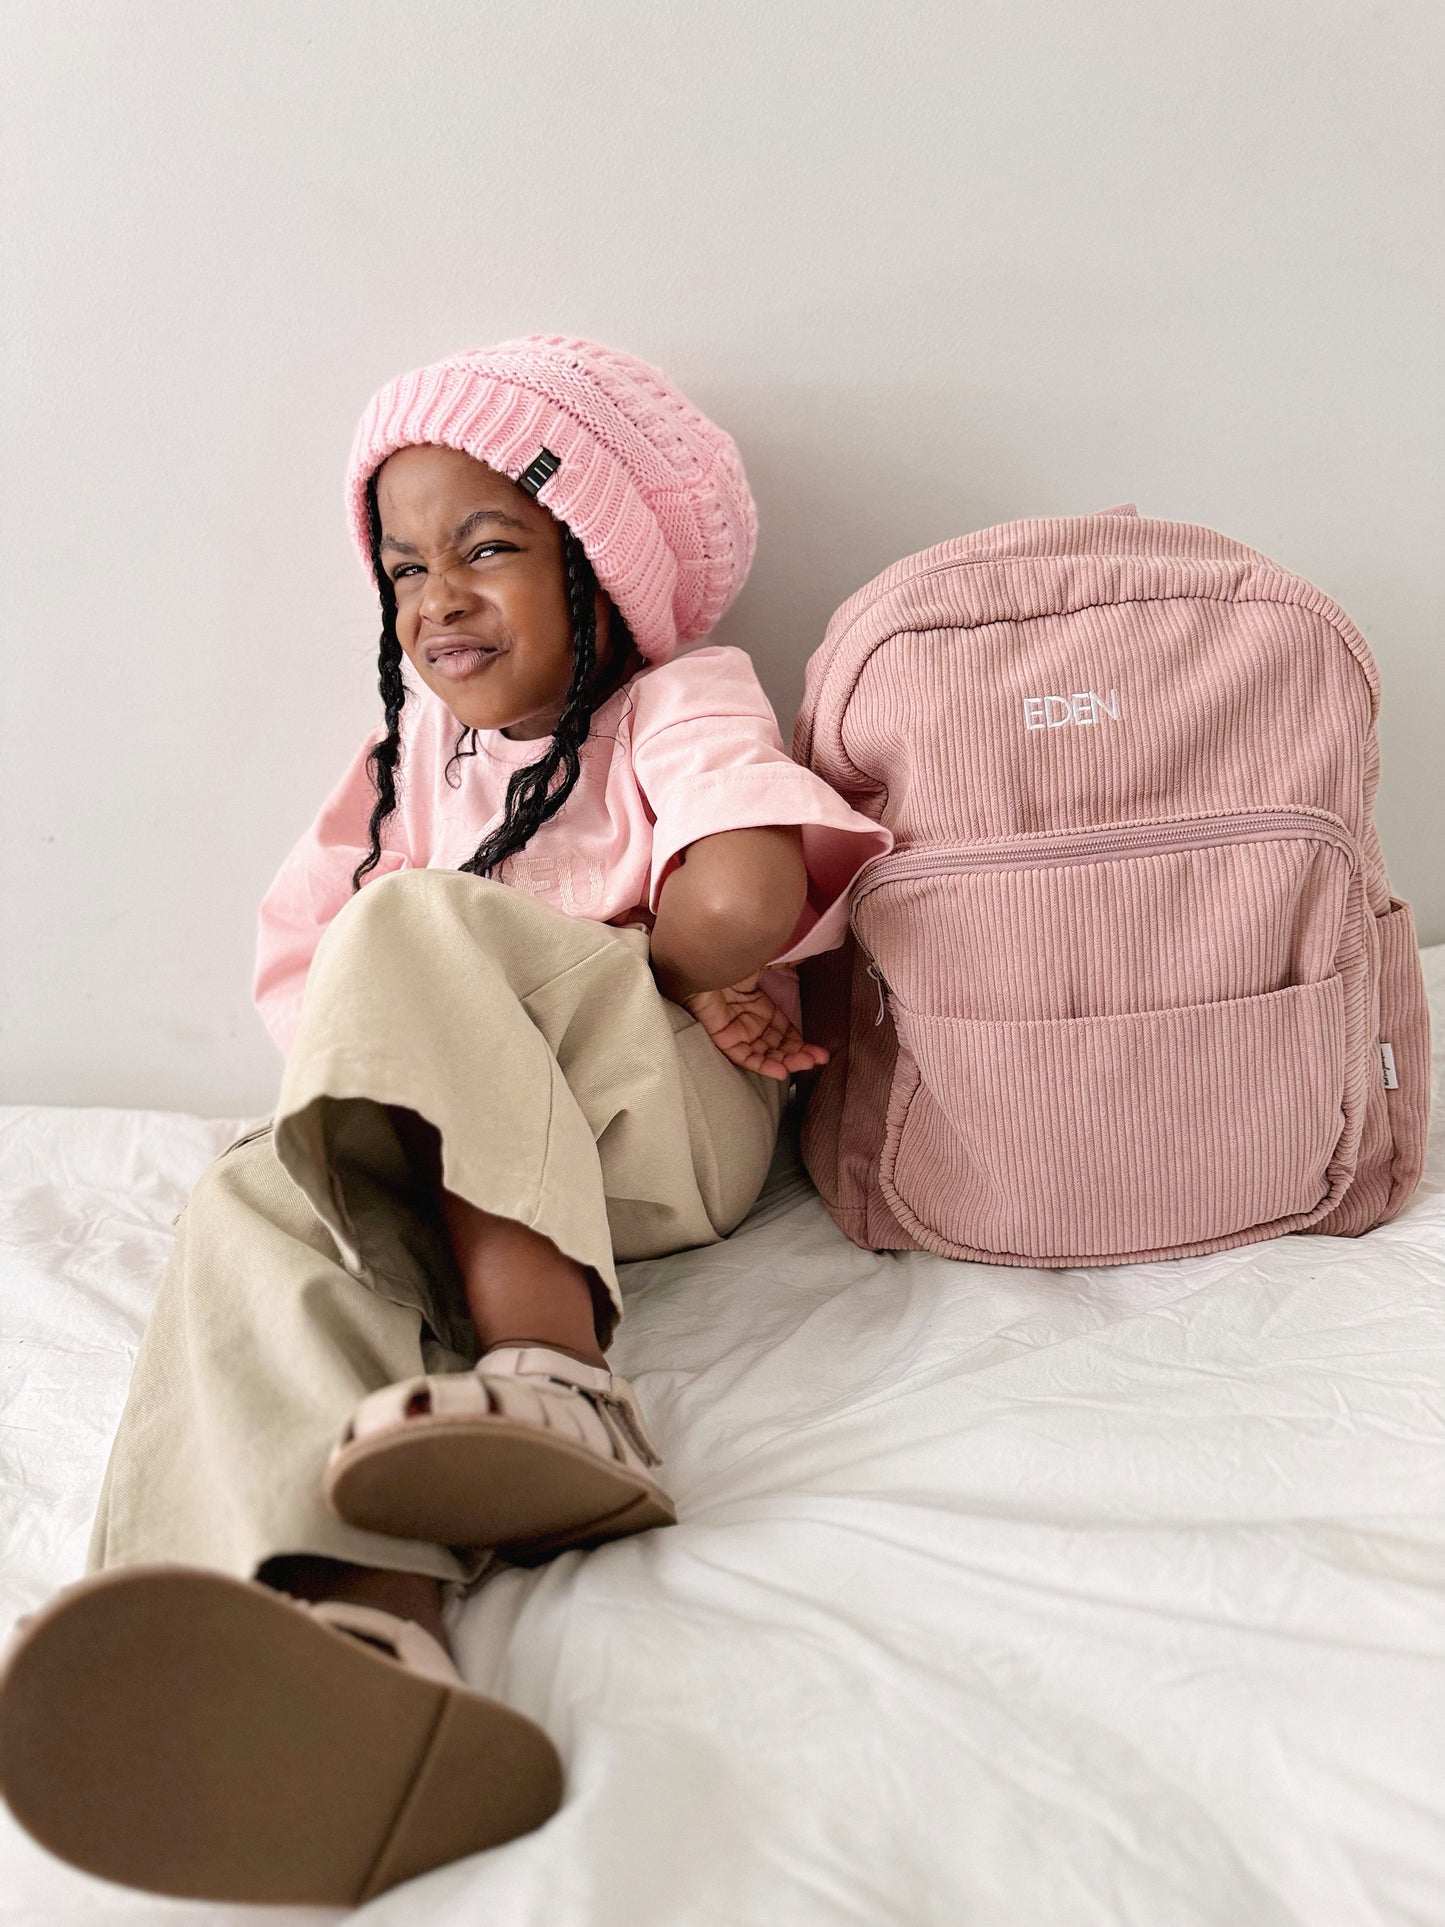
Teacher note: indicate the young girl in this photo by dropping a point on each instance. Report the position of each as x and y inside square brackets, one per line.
[531, 969]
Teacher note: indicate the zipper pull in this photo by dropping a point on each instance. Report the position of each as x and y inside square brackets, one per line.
[877, 975]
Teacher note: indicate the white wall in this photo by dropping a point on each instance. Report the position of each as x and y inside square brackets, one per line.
[933, 266]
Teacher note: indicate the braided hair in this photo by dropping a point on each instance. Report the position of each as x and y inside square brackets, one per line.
[530, 798]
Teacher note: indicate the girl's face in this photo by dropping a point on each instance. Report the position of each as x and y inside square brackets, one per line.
[477, 568]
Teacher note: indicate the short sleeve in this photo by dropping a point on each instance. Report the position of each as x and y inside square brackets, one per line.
[708, 756]
[308, 890]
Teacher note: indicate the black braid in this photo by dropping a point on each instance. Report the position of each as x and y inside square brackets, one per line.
[530, 800]
[383, 759]
[455, 782]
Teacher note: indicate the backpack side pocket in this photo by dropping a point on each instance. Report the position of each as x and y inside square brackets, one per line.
[1405, 1027]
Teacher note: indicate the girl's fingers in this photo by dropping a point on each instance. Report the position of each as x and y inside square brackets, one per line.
[749, 1029]
[774, 1063]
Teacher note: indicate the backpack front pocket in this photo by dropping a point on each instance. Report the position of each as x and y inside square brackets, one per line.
[1122, 1042]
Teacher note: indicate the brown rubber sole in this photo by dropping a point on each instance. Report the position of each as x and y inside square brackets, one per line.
[490, 1482]
[182, 1731]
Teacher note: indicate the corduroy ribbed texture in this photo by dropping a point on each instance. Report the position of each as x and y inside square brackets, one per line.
[1134, 952]
[653, 490]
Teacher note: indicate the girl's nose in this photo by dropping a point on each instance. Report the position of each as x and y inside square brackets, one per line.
[445, 592]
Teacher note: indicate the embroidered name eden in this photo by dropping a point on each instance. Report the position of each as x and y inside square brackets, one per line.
[1084, 706]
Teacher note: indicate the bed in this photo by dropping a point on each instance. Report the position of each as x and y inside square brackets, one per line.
[998, 1596]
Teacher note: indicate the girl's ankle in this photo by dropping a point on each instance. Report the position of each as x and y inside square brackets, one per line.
[414, 1596]
[593, 1357]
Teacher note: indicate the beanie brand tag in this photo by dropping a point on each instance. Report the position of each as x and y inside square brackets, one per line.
[541, 470]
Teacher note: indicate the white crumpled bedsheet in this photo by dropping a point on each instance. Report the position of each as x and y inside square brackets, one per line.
[1000, 1598]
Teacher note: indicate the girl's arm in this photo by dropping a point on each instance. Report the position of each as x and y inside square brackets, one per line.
[728, 908]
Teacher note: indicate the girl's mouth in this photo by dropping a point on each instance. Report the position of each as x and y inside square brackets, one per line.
[463, 660]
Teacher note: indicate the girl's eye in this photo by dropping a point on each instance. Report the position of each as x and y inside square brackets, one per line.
[502, 547]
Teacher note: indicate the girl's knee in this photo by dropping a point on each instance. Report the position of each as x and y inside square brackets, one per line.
[415, 906]
[247, 1184]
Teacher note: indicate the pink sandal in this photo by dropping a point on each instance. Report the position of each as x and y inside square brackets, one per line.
[531, 1452]
[177, 1729]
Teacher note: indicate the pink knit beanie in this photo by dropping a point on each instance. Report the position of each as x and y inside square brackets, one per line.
[652, 489]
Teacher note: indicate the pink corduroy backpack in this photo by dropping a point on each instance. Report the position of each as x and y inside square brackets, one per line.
[1131, 984]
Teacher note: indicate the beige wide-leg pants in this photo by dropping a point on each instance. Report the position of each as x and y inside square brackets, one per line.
[311, 1266]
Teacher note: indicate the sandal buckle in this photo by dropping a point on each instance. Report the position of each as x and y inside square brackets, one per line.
[631, 1425]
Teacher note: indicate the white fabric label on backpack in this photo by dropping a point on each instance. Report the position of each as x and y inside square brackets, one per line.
[1387, 1065]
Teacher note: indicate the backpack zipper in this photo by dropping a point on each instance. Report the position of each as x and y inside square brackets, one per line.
[1061, 847]
[877, 975]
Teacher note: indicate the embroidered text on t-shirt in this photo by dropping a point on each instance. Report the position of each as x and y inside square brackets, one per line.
[573, 880]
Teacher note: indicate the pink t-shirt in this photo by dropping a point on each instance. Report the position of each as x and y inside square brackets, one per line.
[687, 748]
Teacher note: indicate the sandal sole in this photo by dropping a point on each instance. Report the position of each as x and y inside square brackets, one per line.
[489, 1482]
[192, 1734]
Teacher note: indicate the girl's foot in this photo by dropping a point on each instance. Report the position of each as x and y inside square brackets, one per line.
[531, 1452]
[178, 1730]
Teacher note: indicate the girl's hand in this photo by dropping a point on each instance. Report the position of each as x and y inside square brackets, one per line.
[747, 1026]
